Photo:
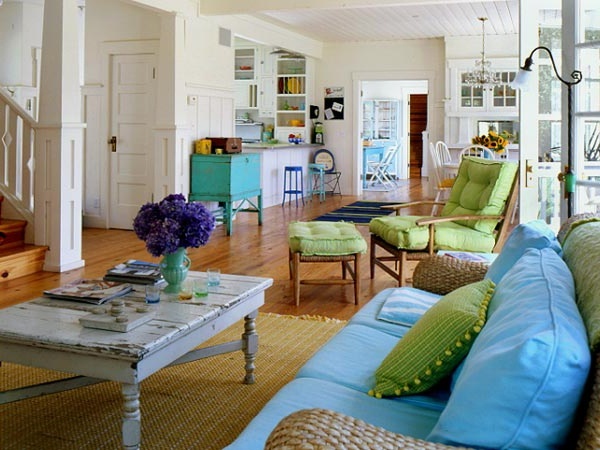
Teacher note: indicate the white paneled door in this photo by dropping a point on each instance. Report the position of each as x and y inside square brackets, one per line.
[130, 143]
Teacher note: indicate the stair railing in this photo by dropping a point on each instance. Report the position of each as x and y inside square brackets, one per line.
[17, 144]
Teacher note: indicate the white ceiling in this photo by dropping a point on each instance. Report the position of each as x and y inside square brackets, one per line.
[368, 20]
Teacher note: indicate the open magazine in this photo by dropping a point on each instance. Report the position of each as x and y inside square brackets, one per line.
[93, 291]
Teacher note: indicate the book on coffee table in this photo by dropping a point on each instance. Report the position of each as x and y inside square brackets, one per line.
[93, 291]
[136, 272]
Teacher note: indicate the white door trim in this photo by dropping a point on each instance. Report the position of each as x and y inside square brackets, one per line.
[107, 50]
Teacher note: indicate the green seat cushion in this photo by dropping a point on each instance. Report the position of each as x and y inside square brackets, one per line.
[482, 187]
[402, 232]
[325, 238]
[436, 343]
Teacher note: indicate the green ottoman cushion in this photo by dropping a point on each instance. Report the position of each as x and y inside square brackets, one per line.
[325, 238]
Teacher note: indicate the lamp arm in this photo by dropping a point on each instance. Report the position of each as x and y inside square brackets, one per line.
[576, 75]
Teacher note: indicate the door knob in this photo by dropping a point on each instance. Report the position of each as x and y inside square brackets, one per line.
[113, 143]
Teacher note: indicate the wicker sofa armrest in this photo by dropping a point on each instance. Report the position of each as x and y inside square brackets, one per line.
[324, 429]
[443, 274]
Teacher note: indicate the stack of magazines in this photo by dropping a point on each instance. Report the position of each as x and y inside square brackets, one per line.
[135, 271]
[89, 291]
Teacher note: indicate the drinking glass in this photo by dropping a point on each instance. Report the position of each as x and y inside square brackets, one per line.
[200, 287]
[214, 276]
[152, 293]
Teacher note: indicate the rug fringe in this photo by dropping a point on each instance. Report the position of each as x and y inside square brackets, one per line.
[315, 318]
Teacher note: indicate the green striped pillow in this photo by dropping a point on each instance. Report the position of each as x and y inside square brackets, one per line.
[436, 343]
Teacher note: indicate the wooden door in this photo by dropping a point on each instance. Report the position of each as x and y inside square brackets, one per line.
[418, 123]
[132, 118]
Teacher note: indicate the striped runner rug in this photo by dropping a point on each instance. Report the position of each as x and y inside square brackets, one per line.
[360, 212]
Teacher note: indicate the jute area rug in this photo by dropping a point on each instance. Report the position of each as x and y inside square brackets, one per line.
[200, 405]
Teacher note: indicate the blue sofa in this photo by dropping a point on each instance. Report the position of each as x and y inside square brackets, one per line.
[519, 387]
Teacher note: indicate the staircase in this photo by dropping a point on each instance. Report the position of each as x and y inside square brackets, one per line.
[17, 141]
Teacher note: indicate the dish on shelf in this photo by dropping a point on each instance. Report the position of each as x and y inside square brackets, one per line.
[293, 86]
[245, 67]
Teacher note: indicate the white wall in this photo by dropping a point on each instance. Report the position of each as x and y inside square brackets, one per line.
[345, 65]
[206, 86]
[20, 31]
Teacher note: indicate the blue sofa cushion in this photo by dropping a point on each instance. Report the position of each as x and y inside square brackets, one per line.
[522, 380]
[303, 393]
[534, 234]
[351, 357]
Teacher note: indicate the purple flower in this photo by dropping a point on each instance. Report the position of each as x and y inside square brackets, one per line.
[173, 223]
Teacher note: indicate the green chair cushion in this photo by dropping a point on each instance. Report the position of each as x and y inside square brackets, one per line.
[325, 238]
[436, 343]
[402, 232]
[482, 187]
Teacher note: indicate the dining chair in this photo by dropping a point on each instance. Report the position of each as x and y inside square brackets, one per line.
[474, 219]
[442, 181]
[477, 150]
[381, 169]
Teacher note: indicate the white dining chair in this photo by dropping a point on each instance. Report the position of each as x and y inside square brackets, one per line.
[477, 150]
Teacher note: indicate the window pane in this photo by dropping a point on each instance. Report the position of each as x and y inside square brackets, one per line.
[591, 20]
[549, 89]
[591, 141]
[549, 140]
[589, 62]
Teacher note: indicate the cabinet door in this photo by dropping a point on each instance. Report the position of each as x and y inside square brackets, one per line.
[246, 94]
[266, 97]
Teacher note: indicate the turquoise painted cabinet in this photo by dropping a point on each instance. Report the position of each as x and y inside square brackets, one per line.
[227, 179]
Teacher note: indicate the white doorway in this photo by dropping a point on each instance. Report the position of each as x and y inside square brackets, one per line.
[397, 90]
[132, 100]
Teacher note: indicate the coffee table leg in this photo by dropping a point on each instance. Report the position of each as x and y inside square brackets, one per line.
[250, 338]
[131, 416]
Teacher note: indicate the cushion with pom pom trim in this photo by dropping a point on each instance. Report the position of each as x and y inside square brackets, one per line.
[436, 343]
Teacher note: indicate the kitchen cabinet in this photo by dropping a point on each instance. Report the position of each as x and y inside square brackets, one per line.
[245, 63]
[266, 96]
[381, 120]
[227, 179]
[293, 87]
[466, 105]
[246, 94]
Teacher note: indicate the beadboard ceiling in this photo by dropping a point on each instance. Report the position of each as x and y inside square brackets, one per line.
[368, 20]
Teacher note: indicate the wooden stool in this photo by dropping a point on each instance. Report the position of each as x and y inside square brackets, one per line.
[325, 242]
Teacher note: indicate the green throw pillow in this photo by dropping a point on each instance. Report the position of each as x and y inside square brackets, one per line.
[436, 343]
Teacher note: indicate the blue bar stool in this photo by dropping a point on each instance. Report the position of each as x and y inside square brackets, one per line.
[316, 175]
[290, 184]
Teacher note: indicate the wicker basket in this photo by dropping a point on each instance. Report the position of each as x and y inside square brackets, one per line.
[443, 274]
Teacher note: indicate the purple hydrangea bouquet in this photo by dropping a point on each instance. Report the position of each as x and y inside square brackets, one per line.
[169, 227]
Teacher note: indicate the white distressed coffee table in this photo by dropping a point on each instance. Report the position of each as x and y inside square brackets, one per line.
[46, 333]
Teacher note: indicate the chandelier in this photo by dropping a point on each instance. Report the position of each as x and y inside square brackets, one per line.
[482, 75]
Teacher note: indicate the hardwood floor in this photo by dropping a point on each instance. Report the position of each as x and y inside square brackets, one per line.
[251, 250]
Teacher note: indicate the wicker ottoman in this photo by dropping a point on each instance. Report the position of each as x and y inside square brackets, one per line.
[325, 242]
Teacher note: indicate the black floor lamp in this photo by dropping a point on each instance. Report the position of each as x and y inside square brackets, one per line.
[522, 80]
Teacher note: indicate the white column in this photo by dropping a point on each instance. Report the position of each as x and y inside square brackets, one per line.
[172, 145]
[58, 153]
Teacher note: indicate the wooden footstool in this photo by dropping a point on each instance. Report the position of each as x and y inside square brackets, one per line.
[325, 242]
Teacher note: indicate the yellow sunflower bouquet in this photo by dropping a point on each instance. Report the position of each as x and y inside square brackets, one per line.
[494, 141]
